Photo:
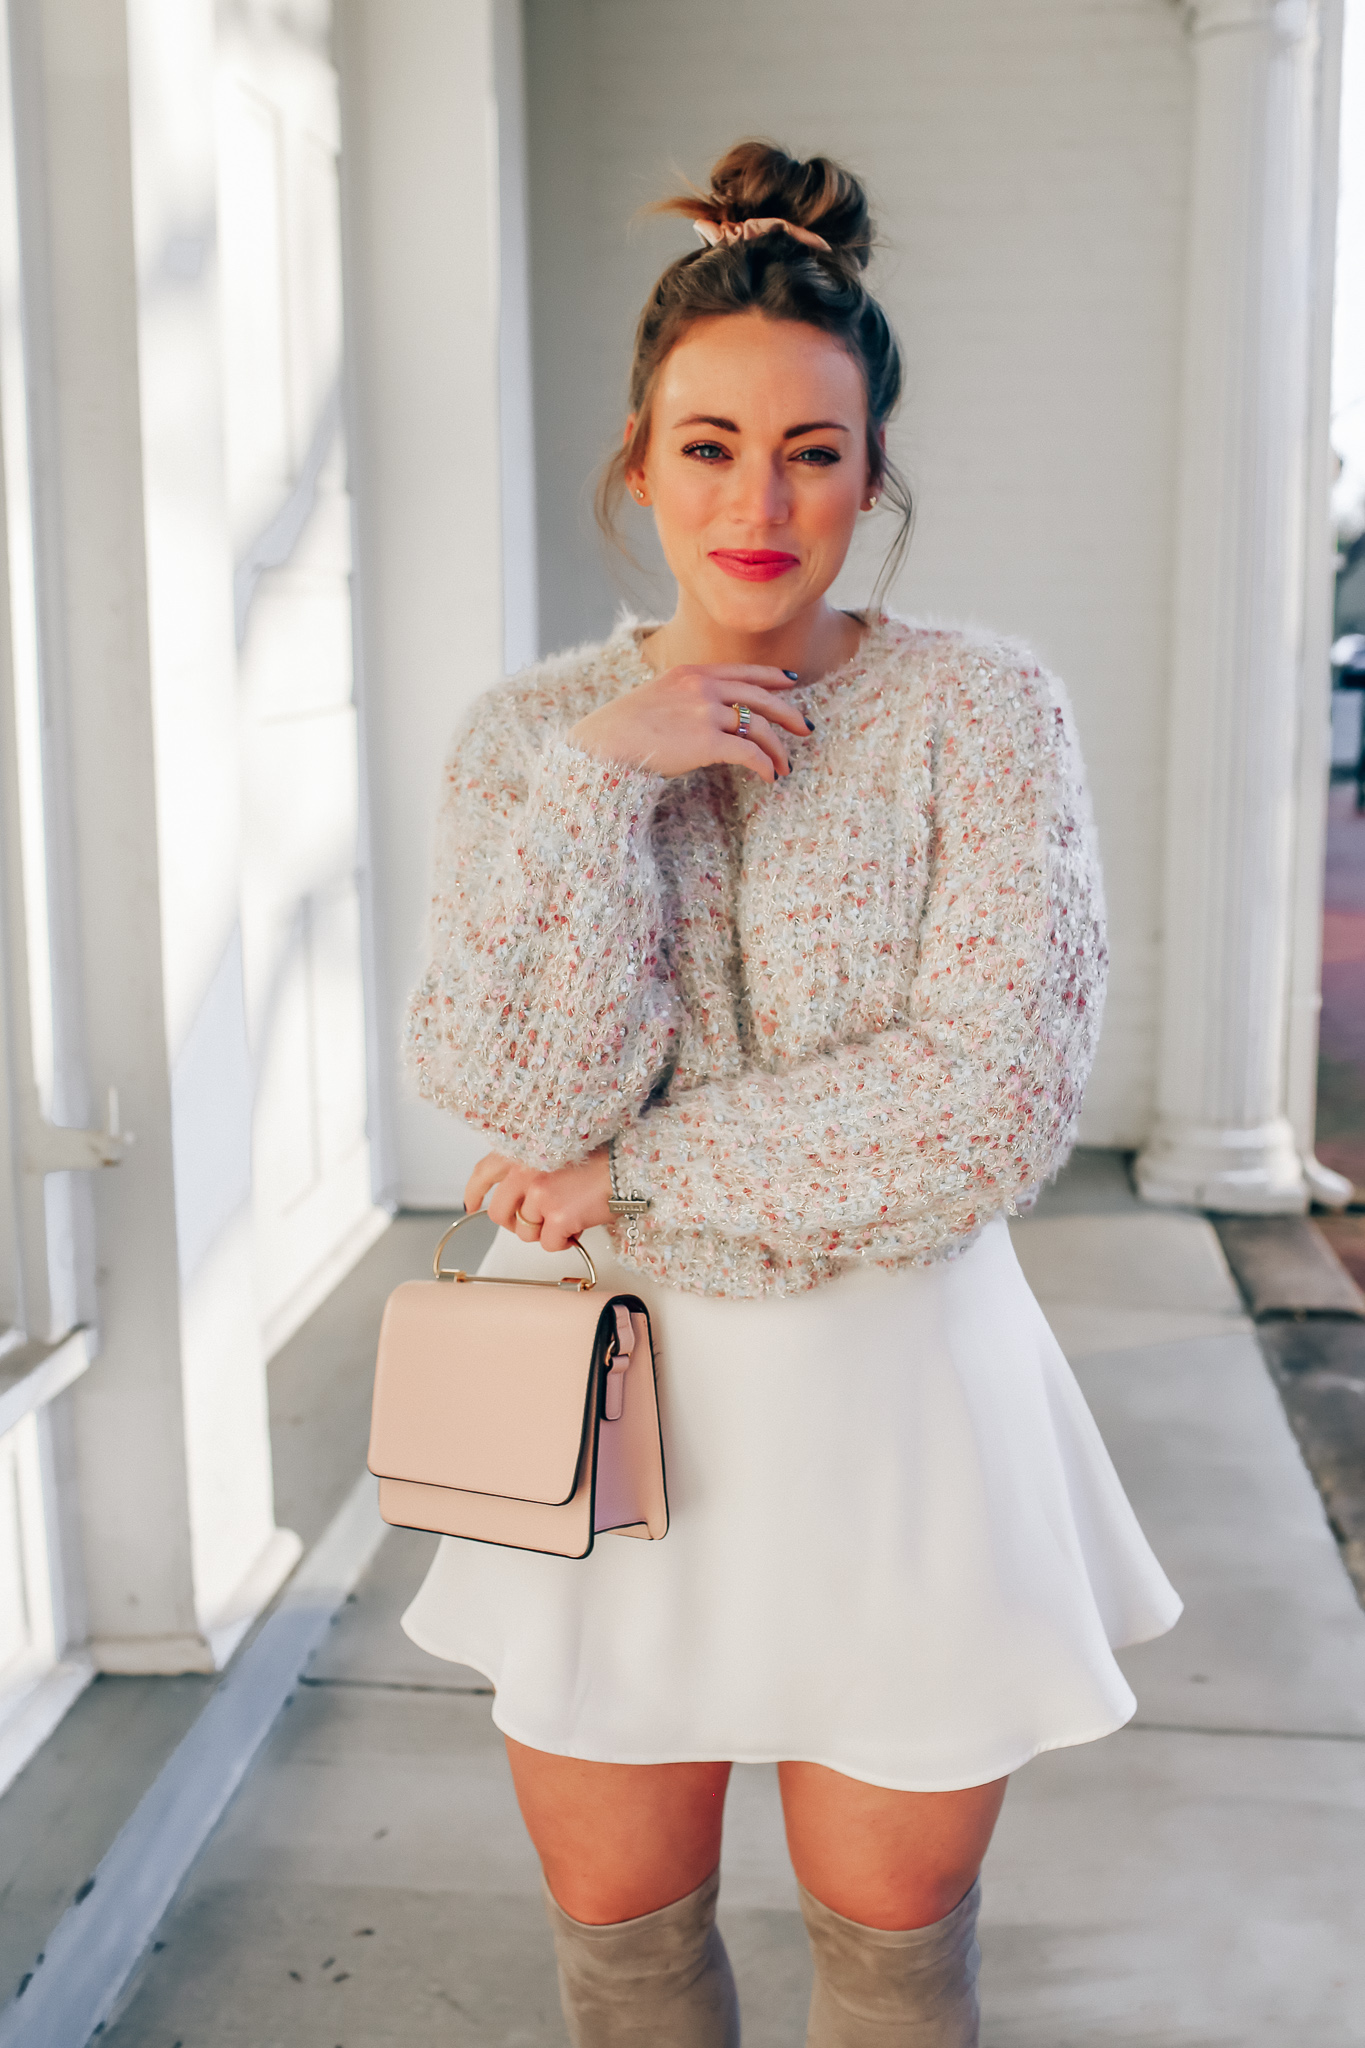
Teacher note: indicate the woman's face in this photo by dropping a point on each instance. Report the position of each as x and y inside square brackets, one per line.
[756, 467]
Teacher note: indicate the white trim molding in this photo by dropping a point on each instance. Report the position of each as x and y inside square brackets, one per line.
[1223, 1137]
[1288, 20]
[31, 1375]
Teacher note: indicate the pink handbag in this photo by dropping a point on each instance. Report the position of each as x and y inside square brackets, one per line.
[526, 1415]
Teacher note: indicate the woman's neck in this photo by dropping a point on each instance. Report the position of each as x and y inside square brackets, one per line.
[812, 644]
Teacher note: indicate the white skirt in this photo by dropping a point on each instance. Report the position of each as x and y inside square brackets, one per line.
[897, 1544]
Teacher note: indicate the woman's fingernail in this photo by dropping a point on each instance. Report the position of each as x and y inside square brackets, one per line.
[791, 675]
[810, 723]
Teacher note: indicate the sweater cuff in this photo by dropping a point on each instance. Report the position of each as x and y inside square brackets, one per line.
[581, 810]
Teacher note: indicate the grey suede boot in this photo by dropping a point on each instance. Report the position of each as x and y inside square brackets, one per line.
[880, 1988]
[662, 1981]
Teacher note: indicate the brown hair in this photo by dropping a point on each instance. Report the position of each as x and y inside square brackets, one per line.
[783, 278]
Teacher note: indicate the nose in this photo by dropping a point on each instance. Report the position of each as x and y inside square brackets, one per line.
[762, 495]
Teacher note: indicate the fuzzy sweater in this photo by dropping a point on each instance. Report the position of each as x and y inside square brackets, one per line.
[845, 1017]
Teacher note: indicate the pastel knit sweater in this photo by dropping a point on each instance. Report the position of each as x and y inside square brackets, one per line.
[845, 1017]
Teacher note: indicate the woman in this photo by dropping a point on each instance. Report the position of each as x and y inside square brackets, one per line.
[786, 920]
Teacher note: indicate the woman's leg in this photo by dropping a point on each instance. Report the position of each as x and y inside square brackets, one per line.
[630, 1854]
[889, 1894]
[619, 1840]
[886, 1859]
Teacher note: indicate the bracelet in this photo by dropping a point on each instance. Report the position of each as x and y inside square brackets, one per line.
[618, 1203]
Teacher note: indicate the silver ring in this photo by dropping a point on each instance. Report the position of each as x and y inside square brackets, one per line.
[745, 717]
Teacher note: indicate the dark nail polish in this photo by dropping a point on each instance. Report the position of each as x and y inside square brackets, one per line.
[791, 675]
[810, 723]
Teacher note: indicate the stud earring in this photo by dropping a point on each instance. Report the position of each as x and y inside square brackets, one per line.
[641, 496]
[871, 503]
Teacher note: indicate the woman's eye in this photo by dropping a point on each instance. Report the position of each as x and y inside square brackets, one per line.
[817, 458]
[707, 451]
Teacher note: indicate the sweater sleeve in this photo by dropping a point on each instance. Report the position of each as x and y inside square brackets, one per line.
[547, 1011]
[924, 1130]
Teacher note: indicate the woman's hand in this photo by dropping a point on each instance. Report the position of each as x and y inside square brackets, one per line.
[549, 1209]
[685, 719]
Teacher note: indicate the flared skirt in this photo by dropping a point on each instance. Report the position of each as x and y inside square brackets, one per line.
[897, 1545]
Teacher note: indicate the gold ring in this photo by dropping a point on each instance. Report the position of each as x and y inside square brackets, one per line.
[531, 1224]
[745, 718]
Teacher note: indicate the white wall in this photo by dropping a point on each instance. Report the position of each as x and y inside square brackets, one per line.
[438, 403]
[1029, 167]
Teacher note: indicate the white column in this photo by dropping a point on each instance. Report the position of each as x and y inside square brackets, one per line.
[520, 592]
[1223, 1137]
[1315, 717]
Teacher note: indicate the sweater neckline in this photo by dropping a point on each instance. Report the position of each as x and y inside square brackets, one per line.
[632, 631]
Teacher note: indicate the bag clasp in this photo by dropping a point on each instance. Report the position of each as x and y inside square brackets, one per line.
[622, 1345]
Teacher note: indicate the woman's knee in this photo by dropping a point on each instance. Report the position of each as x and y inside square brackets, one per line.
[886, 1859]
[617, 1841]
[608, 1892]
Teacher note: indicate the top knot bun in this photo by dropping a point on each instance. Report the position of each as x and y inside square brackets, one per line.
[759, 181]
[772, 273]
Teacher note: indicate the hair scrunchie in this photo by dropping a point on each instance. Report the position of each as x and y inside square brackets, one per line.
[713, 232]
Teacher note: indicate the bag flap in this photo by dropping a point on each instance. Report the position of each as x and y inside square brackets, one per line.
[484, 1388]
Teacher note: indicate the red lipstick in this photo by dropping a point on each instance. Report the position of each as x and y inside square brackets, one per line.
[753, 565]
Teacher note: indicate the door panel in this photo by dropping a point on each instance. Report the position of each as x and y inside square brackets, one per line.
[256, 395]
[282, 329]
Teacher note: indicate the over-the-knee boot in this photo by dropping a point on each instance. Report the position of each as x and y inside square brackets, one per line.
[662, 1981]
[893, 1988]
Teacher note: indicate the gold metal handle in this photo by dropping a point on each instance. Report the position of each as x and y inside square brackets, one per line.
[499, 1279]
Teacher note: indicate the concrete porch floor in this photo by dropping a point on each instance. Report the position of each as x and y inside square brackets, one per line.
[1195, 1880]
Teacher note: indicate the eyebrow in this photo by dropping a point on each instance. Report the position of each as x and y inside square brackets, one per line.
[707, 419]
